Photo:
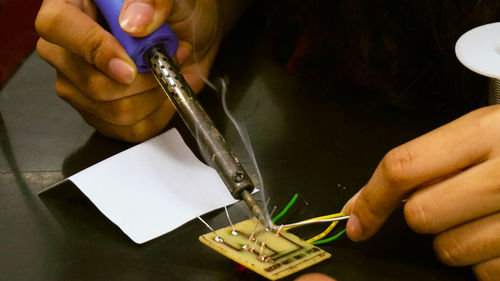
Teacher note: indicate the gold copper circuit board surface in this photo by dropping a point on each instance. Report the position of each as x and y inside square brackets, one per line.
[273, 254]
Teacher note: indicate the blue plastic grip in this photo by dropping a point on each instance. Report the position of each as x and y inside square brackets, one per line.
[136, 47]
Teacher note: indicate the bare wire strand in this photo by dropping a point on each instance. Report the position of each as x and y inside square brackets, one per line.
[229, 219]
[206, 224]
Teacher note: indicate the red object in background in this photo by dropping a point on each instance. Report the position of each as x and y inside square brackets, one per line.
[17, 34]
[239, 267]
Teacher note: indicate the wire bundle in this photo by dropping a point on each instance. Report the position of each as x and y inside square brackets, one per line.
[316, 240]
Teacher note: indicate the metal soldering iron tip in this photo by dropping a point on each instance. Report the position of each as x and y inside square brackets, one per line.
[255, 208]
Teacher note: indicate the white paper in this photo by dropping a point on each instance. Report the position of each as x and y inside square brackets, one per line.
[153, 188]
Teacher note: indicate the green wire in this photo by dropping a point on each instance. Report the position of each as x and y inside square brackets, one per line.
[330, 239]
[287, 207]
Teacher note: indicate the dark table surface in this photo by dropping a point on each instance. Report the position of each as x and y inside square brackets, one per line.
[323, 147]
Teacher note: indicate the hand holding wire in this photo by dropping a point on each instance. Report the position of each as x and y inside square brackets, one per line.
[450, 179]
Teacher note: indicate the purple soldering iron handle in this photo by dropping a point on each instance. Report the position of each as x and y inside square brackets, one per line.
[236, 179]
[136, 47]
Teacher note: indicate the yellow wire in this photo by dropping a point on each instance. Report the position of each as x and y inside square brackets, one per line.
[327, 230]
[318, 218]
[324, 233]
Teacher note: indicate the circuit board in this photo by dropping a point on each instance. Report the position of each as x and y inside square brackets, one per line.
[273, 254]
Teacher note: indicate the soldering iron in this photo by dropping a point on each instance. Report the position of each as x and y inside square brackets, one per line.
[153, 53]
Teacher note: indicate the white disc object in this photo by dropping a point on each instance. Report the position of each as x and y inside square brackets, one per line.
[479, 50]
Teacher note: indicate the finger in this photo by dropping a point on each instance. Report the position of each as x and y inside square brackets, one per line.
[62, 23]
[183, 52]
[195, 72]
[88, 7]
[140, 131]
[124, 112]
[470, 243]
[194, 75]
[488, 270]
[95, 84]
[466, 196]
[141, 17]
[452, 147]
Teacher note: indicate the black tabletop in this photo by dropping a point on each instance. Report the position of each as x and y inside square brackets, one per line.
[321, 146]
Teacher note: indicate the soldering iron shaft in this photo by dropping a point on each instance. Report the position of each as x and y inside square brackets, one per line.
[210, 141]
[255, 208]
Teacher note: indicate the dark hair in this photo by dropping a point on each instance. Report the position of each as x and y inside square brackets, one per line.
[403, 50]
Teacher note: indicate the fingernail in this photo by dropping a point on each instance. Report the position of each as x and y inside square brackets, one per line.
[354, 228]
[137, 16]
[121, 70]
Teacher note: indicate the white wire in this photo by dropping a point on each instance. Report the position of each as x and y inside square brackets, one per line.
[315, 221]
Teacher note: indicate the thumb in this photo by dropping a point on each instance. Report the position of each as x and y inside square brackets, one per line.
[139, 18]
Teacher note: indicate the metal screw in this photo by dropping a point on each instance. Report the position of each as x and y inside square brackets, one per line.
[238, 176]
